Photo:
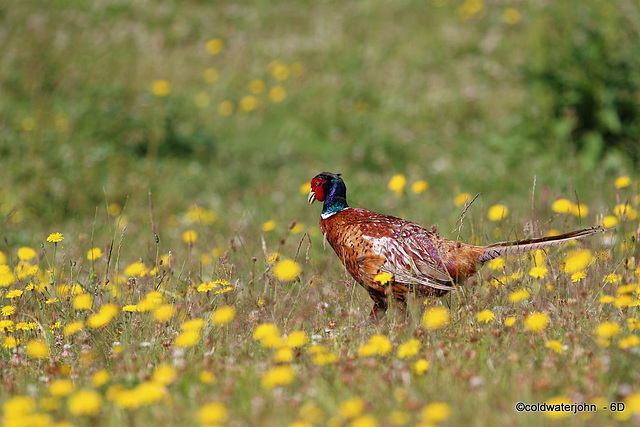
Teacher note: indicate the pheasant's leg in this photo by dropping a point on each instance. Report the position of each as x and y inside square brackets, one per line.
[380, 304]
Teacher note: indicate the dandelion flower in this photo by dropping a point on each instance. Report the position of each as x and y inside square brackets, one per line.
[187, 338]
[60, 388]
[37, 349]
[435, 412]
[8, 310]
[85, 402]
[55, 238]
[497, 264]
[562, 206]
[160, 87]
[554, 345]
[419, 186]
[207, 377]
[511, 16]
[559, 400]
[190, 236]
[435, 317]
[257, 87]
[164, 374]
[9, 342]
[225, 108]
[192, 325]
[397, 183]
[377, 344]
[268, 226]
[213, 413]
[421, 366]
[608, 329]
[383, 278]
[297, 339]
[538, 272]
[536, 321]
[248, 103]
[214, 46]
[277, 94]
[578, 276]
[26, 253]
[485, 316]
[462, 199]
[622, 181]
[408, 349]
[264, 330]
[163, 312]
[277, 377]
[94, 254]
[509, 321]
[351, 408]
[136, 269]
[629, 341]
[497, 213]
[100, 378]
[578, 260]
[82, 302]
[73, 328]
[286, 270]
[223, 315]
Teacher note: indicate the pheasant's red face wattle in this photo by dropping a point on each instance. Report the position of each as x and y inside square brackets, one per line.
[317, 190]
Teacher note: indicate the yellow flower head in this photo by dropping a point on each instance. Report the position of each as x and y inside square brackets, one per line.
[214, 413]
[187, 338]
[578, 260]
[608, 329]
[461, 199]
[485, 316]
[286, 270]
[277, 94]
[160, 87]
[622, 181]
[190, 236]
[223, 315]
[538, 272]
[397, 183]
[497, 213]
[435, 317]
[436, 412]
[163, 312]
[554, 345]
[268, 226]
[164, 374]
[37, 349]
[409, 349]
[563, 206]
[60, 388]
[55, 238]
[377, 344]
[265, 330]
[85, 402]
[277, 377]
[419, 186]
[94, 254]
[214, 46]
[519, 295]
[25, 253]
[536, 321]
[351, 408]
[82, 302]
[421, 366]
[297, 339]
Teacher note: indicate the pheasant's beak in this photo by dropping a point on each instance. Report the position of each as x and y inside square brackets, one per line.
[312, 197]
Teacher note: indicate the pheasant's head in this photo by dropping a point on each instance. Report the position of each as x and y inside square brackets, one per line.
[329, 188]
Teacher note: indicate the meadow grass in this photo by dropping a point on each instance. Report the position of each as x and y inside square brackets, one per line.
[171, 147]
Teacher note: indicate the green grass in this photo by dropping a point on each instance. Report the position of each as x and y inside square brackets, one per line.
[426, 89]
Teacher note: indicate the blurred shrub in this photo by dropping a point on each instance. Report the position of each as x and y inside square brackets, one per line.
[583, 72]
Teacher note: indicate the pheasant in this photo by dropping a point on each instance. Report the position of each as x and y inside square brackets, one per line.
[416, 260]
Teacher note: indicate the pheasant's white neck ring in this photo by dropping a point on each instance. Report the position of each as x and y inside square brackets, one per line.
[329, 214]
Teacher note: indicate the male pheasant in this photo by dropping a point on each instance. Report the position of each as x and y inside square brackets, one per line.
[418, 260]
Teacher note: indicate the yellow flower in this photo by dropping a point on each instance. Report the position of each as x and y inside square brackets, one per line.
[554, 345]
[160, 87]
[558, 400]
[606, 299]
[82, 302]
[60, 388]
[364, 421]
[9, 342]
[268, 226]
[497, 264]
[102, 317]
[629, 341]
[511, 16]
[257, 87]
[536, 321]
[461, 199]
[612, 278]
[279, 71]
[578, 260]
[624, 211]
[519, 295]
[85, 402]
[278, 376]
[435, 412]
[283, 355]
[8, 310]
[55, 238]
[578, 276]
[72, 328]
[223, 315]
[137, 269]
[485, 316]
[608, 329]
[192, 325]
[538, 272]
[26, 253]
[397, 183]
[248, 103]
[207, 377]
[17, 408]
[225, 108]
[286, 270]
[37, 349]
[622, 181]
[419, 186]
[563, 206]
[265, 330]
[163, 312]
[322, 359]
[187, 338]
[609, 221]
[383, 278]
[213, 413]
[164, 374]
[497, 213]
[435, 317]
[351, 408]
[277, 94]
[623, 301]
[100, 378]
[130, 308]
[214, 46]
[421, 366]
[7, 278]
[297, 339]
[190, 236]
[633, 323]
[409, 348]
[15, 293]
[94, 254]
[377, 344]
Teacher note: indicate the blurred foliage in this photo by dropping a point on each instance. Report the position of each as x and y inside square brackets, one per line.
[584, 76]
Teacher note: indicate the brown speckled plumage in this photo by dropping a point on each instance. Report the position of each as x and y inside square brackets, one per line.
[420, 261]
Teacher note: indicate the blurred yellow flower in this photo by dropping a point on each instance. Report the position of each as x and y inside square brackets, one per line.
[629, 341]
[366, 420]
[536, 321]
[214, 413]
[622, 181]
[497, 264]
[161, 87]
[192, 325]
[397, 183]
[277, 377]
[283, 355]
[461, 199]
[164, 374]
[37, 349]
[578, 260]
[210, 75]
[264, 330]
[435, 317]
[136, 269]
[190, 236]
[55, 238]
[94, 254]
[85, 402]
[277, 94]
[187, 338]
[623, 301]
[73, 328]
[554, 345]
[351, 408]
[562, 206]
[509, 321]
[538, 272]
[223, 315]
[497, 213]
[163, 312]
[82, 302]
[296, 339]
[226, 108]
[409, 348]
[257, 86]
[214, 46]
[624, 211]
[9, 342]
[207, 377]
[606, 299]
[383, 278]
[578, 276]
[377, 345]
[511, 16]
[202, 99]
[60, 388]
[421, 366]
[485, 316]
[286, 270]
[435, 412]
[419, 186]
[559, 400]
[280, 71]
[608, 329]
[248, 103]
[100, 378]
[26, 253]
[269, 226]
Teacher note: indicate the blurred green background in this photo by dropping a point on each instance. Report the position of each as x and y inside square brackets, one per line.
[233, 106]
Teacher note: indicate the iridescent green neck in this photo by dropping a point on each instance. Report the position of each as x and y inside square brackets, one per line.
[335, 198]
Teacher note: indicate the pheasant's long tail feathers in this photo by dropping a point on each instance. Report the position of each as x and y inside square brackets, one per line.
[521, 246]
